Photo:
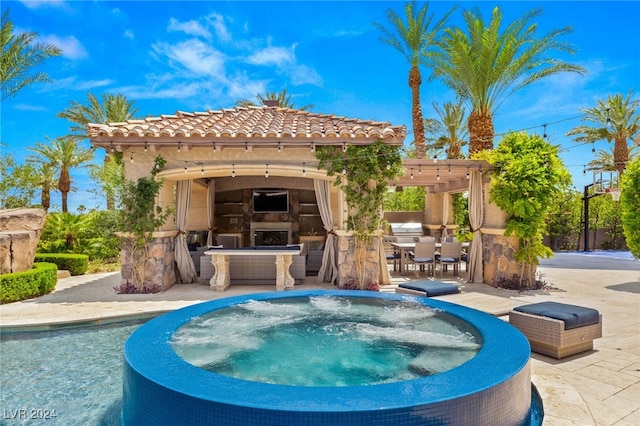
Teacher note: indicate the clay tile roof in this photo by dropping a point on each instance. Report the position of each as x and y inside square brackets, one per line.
[250, 123]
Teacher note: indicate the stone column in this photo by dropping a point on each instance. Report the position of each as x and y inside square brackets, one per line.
[346, 260]
[159, 270]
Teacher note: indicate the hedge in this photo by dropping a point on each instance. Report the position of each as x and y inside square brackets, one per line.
[76, 264]
[28, 284]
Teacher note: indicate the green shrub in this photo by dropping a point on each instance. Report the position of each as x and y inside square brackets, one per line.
[76, 264]
[28, 284]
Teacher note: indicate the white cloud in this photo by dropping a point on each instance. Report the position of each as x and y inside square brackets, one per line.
[28, 107]
[129, 34]
[92, 84]
[278, 56]
[34, 4]
[192, 28]
[193, 56]
[70, 46]
[217, 22]
[303, 74]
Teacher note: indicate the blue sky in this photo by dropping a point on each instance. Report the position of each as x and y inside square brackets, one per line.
[194, 56]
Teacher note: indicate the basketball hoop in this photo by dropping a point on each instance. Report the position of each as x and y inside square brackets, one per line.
[615, 194]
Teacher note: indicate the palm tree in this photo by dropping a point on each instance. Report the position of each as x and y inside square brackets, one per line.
[448, 130]
[415, 41]
[45, 179]
[112, 109]
[63, 154]
[284, 101]
[615, 119]
[604, 159]
[485, 66]
[19, 55]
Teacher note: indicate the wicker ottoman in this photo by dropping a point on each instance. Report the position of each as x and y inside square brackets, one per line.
[556, 329]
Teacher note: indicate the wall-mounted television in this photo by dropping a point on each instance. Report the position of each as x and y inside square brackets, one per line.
[270, 201]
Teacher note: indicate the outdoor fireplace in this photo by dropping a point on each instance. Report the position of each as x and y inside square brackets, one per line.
[270, 233]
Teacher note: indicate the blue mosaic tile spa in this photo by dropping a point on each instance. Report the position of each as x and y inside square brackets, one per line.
[492, 387]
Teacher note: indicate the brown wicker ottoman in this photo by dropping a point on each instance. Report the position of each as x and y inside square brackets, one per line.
[556, 329]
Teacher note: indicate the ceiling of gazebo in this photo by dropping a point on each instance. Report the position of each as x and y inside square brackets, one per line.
[264, 126]
[440, 175]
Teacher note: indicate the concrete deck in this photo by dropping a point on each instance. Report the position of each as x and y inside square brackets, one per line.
[601, 387]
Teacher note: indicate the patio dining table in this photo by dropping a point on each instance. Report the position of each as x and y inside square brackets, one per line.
[405, 248]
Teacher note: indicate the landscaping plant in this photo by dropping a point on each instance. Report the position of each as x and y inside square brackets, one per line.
[362, 173]
[630, 205]
[525, 182]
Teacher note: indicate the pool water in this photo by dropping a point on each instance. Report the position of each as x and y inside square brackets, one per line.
[330, 341]
[65, 377]
[76, 376]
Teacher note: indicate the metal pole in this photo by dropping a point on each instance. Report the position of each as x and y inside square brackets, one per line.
[586, 217]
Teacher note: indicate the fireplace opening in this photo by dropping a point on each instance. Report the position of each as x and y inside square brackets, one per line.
[271, 237]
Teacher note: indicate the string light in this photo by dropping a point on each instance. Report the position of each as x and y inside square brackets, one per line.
[266, 172]
[420, 170]
[312, 148]
[185, 167]
[233, 170]
[544, 131]
[178, 146]
[246, 147]
[112, 150]
[435, 159]
[412, 173]
[145, 147]
[437, 174]
[215, 148]
[449, 168]
[304, 170]
[131, 159]
[279, 147]
[201, 169]
[388, 165]
[468, 175]
[344, 147]
[344, 169]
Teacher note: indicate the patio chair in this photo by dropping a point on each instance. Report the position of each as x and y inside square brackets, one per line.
[391, 253]
[426, 239]
[424, 254]
[450, 254]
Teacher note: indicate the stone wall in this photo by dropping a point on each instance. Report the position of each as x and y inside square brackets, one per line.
[160, 271]
[20, 231]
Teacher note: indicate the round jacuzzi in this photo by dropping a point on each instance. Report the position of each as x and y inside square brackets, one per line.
[163, 385]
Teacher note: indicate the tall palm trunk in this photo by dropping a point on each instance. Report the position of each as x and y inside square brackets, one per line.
[64, 185]
[46, 198]
[455, 152]
[620, 154]
[415, 80]
[480, 131]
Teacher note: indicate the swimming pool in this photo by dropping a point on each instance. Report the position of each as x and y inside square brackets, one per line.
[64, 377]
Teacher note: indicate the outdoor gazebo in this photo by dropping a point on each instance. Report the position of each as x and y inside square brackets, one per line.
[217, 161]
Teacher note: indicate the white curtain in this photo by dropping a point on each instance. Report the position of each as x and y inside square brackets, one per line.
[211, 204]
[183, 259]
[476, 218]
[328, 272]
[445, 214]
